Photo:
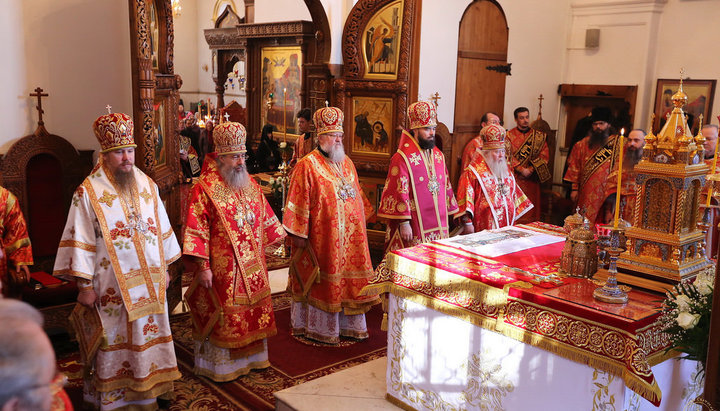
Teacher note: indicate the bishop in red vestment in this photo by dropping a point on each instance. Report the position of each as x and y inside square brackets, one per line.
[488, 195]
[16, 250]
[229, 226]
[529, 156]
[473, 147]
[325, 215]
[418, 199]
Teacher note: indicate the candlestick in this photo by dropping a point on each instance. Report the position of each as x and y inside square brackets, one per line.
[619, 178]
[284, 114]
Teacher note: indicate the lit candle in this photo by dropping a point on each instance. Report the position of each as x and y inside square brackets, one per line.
[712, 171]
[621, 147]
[284, 114]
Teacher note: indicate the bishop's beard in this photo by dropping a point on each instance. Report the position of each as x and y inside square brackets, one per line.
[236, 177]
[125, 180]
[335, 151]
[499, 168]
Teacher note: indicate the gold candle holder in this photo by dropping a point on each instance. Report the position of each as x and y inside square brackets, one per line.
[616, 244]
[284, 179]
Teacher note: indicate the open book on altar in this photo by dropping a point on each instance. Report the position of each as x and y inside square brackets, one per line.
[501, 241]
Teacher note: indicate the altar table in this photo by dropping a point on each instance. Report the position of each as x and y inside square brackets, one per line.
[467, 331]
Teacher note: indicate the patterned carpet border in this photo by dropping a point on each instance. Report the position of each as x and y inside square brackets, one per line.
[254, 391]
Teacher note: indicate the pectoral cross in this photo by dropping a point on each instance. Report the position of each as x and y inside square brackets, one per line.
[39, 94]
[502, 187]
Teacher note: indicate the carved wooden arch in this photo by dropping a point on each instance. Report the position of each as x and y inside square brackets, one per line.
[13, 167]
[323, 40]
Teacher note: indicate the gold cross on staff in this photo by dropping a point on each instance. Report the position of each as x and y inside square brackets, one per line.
[39, 94]
[540, 99]
[435, 97]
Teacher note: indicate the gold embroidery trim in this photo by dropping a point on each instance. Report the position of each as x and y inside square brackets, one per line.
[78, 244]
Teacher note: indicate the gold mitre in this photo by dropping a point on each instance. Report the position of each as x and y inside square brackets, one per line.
[229, 138]
[114, 131]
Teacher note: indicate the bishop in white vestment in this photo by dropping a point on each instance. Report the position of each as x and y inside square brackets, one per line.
[117, 245]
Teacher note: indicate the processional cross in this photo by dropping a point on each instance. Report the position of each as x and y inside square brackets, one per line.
[39, 94]
[540, 99]
[435, 97]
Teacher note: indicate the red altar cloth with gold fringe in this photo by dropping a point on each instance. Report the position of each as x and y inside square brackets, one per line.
[520, 296]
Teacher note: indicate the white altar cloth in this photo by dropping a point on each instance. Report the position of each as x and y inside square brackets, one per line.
[437, 362]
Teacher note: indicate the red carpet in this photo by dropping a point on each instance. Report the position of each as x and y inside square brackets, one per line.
[294, 361]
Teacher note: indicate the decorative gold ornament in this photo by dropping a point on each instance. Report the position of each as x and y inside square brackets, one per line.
[665, 245]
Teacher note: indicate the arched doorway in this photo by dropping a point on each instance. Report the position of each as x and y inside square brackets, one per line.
[482, 43]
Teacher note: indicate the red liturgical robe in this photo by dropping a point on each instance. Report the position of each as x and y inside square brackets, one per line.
[326, 206]
[588, 170]
[232, 229]
[530, 149]
[416, 191]
[13, 232]
[492, 205]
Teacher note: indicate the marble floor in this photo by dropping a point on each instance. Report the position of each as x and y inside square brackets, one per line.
[358, 388]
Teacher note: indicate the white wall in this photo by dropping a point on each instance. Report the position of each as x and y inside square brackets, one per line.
[536, 54]
[13, 99]
[688, 38]
[78, 51]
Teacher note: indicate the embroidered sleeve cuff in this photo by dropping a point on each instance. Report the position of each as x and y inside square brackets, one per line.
[203, 264]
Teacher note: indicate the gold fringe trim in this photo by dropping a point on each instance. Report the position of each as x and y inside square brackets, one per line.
[650, 392]
[446, 308]
[233, 375]
[444, 280]
[398, 403]
[154, 392]
[159, 377]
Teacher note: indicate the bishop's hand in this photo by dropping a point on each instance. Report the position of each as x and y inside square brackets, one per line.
[205, 278]
[406, 232]
[88, 298]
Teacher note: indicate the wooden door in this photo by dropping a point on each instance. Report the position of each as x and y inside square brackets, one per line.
[480, 80]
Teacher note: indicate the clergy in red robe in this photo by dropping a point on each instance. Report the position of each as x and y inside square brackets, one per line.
[229, 226]
[325, 215]
[529, 156]
[488, 195]
[633, 154]
[304, 144]
[589, 165]
[418, 199]
[16, 252]
[473, 147]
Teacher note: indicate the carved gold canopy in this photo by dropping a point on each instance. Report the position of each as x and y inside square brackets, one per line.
[665, 245]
